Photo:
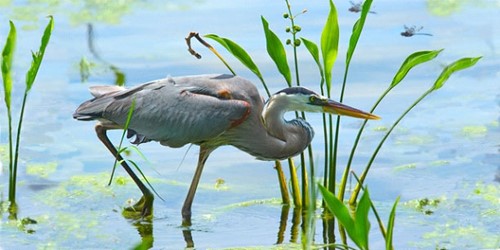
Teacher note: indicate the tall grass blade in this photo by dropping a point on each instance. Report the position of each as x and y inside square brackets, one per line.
[240, 54]
[7, 57]
[390, 226]
[452, 68]
[276, 51]
[330, 44]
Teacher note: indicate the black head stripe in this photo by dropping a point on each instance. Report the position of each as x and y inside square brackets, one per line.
[296, 90]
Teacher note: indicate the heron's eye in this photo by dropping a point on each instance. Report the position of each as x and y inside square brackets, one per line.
[313, 99]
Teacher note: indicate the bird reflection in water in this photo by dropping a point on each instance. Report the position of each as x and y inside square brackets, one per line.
[302, 225]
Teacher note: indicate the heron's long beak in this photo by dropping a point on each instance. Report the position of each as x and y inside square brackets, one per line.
[334, 107]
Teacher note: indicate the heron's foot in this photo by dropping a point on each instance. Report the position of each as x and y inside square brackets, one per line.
[142, 209]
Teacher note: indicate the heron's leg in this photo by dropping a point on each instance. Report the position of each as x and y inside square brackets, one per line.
[145, 204]
[186, 208]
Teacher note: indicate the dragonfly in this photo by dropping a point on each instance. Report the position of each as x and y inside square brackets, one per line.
[413, 30]
[356, 7]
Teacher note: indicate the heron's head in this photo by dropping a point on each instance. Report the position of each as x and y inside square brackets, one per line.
[303, 99]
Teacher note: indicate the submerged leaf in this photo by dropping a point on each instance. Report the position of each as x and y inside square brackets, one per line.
[38, 56]
[412, 61]
[452, 68]
[7, 55]
[276, 51]
[238, 52]
[330, 44]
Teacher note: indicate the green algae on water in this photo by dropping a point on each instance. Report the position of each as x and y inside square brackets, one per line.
[42, 170]
[474, 131]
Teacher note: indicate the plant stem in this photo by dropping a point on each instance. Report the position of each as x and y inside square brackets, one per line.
[377, 216]
[297, 201]
[282, 183]
[354, 196]
[343, 181]
[331, 165]
[12, 181]
[18, 139]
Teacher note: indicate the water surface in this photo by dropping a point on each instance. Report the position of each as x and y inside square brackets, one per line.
[446, 149]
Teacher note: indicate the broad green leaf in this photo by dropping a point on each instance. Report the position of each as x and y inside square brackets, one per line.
[340, 211]
[7, 56]
[314, 51]
[361, 222]
[330, 44]
[238, 52]
[276, 51]
[390, 226]
[452, 68]
[356, 30]
[412, 61]
[38, 56]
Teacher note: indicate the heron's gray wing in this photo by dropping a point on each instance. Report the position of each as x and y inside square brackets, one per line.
[176, 114]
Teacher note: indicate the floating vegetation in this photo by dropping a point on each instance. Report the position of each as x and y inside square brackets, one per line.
[415, 140]
[473, 131]
[489, 192]
[220, 184]
[42, 170]
[380, 128]
[272, 201]
[425, 205]
[440, 163]
[452, 234]
[405, 166]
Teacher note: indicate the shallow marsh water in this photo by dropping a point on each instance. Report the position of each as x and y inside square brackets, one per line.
[447, 149]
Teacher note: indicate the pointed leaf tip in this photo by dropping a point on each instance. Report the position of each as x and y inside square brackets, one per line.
[237, 51]
[411, 61]
[276, 51]
[458, 65]
[329, 44]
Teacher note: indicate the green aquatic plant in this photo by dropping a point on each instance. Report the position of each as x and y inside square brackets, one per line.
[357, 223]
[7, 57]
[458, 65]
[325, 56]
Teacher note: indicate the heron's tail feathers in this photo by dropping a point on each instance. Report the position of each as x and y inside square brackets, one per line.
[94, 108]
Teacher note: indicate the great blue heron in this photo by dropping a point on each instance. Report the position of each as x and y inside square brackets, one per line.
[209, 111]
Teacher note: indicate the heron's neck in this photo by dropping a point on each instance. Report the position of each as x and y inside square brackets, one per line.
[277, 138]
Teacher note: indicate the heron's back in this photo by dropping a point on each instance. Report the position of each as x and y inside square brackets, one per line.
[177, 110]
